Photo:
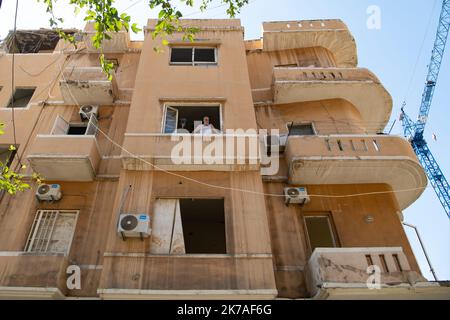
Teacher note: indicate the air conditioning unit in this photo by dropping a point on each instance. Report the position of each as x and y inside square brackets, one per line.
[294, 195]
[87, 111]
[134, 225]
[272, 142]
[49, 192]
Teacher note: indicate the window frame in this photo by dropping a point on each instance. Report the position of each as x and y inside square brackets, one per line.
[190, 104]
[331, 227]
[36, 225]
[194, 63]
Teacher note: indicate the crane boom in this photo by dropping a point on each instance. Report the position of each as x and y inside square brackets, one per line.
[433, 68]
[414, 130]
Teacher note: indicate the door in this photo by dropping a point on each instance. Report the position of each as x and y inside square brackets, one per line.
[167, 230]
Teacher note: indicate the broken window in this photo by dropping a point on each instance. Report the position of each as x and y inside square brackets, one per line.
[193, 56]
[188, 226]
[63, 127]
[21, 97]
[184, 119]
[33, 41]
[52, 231]
[302, 129]
[320, 232]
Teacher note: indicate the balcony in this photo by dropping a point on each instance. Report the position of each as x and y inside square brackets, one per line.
[194, 276]
[119, 42]
[356, 159]
[186, 152]
[341, 273]
[330, 34]
[87, 85]
[65, 157]
[25, 276]
[358, 86]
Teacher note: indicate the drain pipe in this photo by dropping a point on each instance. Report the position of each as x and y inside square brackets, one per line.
[423, 249]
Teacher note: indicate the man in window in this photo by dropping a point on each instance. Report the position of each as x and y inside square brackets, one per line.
[206, 128]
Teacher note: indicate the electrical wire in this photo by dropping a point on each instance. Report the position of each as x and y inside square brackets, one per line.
[224, 187]
[13, 84]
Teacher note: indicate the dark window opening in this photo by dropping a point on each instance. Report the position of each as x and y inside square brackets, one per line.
[203, 223]
[320, 232]
[189, 117]
[77, 129]
[21, 97]
[301, 129]
[181, 55]
[205, 55]
[193, 56]
[6, 157]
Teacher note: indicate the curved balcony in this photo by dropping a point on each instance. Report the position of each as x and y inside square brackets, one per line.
[342, 273]
[330, 34]
[186, 152]
[356, 160]
[358, 86]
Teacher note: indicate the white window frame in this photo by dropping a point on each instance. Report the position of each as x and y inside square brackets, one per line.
[190, 104]
[38, 219]
[193, 62]
[91, 124]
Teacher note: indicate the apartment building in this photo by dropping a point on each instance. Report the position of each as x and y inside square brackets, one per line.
[140, 207]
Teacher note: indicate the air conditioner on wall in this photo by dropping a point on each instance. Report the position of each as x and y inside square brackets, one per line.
[134, 225]
[87, 111]
[296, 195]
[49, 192]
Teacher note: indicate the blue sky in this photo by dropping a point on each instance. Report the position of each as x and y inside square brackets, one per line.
[391, 53]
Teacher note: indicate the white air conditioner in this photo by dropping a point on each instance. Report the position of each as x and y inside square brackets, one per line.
[49, 192]
[87, 111]
[272, 142]
[296, 195]
[134, 225]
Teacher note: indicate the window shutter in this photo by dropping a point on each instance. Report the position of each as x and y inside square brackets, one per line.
[61, 126]
[171, 121]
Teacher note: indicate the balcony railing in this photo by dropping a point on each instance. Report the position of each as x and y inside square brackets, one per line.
[185, 152]
[25, 275]
[356, 159]
[341, 268]
[65, 157]
[87, 85]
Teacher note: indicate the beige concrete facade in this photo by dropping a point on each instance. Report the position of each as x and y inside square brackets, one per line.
[299, 73]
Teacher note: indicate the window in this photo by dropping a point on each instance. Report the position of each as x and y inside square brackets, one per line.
[188, 118]
[193, 56]
[320, 232]
[52, 231]
[6, 156]
[188, 226]
[62, 127]
[301, 129]
[21, 97]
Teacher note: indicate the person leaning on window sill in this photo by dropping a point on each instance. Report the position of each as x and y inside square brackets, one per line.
[206, 128]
